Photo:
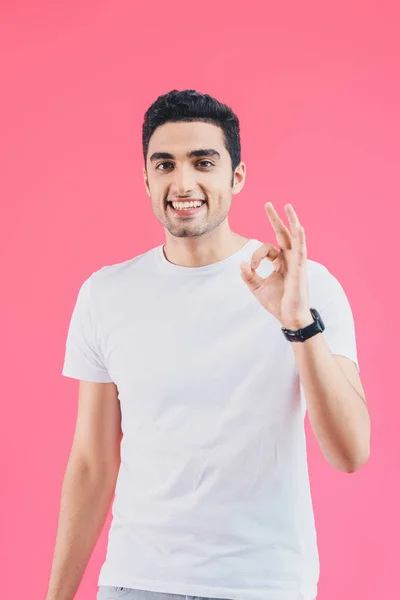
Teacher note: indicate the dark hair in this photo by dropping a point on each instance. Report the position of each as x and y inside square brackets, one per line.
[187, 106]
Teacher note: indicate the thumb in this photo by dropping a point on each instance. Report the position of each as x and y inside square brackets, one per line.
[250, 276]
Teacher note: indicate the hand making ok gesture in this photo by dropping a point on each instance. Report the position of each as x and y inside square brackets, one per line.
[284, 293]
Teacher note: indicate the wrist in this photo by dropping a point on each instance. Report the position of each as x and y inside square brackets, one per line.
[299, 322]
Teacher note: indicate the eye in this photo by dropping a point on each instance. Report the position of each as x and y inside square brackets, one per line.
[201, 162]
[164, 163]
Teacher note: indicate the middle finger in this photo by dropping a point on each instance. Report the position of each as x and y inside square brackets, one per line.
[281, 231]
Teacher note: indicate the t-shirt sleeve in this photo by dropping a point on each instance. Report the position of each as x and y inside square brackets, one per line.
[334, 307]
[83, 357]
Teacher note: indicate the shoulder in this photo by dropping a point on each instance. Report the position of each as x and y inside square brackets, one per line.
[322, 278]
[326, 292]
[111, 276]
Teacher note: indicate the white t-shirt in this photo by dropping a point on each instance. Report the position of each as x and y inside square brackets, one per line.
[212, 497]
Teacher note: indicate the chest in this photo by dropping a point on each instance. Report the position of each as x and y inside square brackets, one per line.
[194, 347]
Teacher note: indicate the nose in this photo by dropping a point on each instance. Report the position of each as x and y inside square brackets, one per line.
[183, 182]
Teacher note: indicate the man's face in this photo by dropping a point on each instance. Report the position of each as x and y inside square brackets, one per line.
[176, 170]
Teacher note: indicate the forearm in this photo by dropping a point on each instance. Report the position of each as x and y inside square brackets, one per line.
[338, 415]
[85, 501]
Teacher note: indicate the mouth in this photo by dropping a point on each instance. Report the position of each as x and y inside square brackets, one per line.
[184, 210]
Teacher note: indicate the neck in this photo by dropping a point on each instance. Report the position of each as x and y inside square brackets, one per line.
[204, 249]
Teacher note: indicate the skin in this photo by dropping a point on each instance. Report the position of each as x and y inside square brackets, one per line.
[205, 238]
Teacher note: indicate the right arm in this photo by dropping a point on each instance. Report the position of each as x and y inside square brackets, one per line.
[88, 486]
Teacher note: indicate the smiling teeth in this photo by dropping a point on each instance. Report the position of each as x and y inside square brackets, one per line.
[185, 205]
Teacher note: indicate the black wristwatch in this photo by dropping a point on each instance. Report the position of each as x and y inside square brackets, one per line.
[301, 335]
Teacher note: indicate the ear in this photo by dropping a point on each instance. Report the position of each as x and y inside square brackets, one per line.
[239, 178]
[146, 181]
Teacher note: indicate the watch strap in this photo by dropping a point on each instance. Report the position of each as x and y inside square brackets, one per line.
[301, 335]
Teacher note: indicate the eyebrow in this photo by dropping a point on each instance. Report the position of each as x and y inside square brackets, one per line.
[194, 153]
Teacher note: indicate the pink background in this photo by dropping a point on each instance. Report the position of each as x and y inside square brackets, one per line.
[317, 93]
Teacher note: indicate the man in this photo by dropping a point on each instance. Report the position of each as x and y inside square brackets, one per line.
[192, 353]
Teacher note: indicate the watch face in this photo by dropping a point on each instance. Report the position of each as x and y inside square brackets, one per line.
[318, 318]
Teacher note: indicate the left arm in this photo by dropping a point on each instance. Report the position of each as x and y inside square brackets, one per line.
[334, 395]
[336, 403]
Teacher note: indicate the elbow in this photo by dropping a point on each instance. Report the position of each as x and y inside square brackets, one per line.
[361, 453]
[356, 465]
[350, 463]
